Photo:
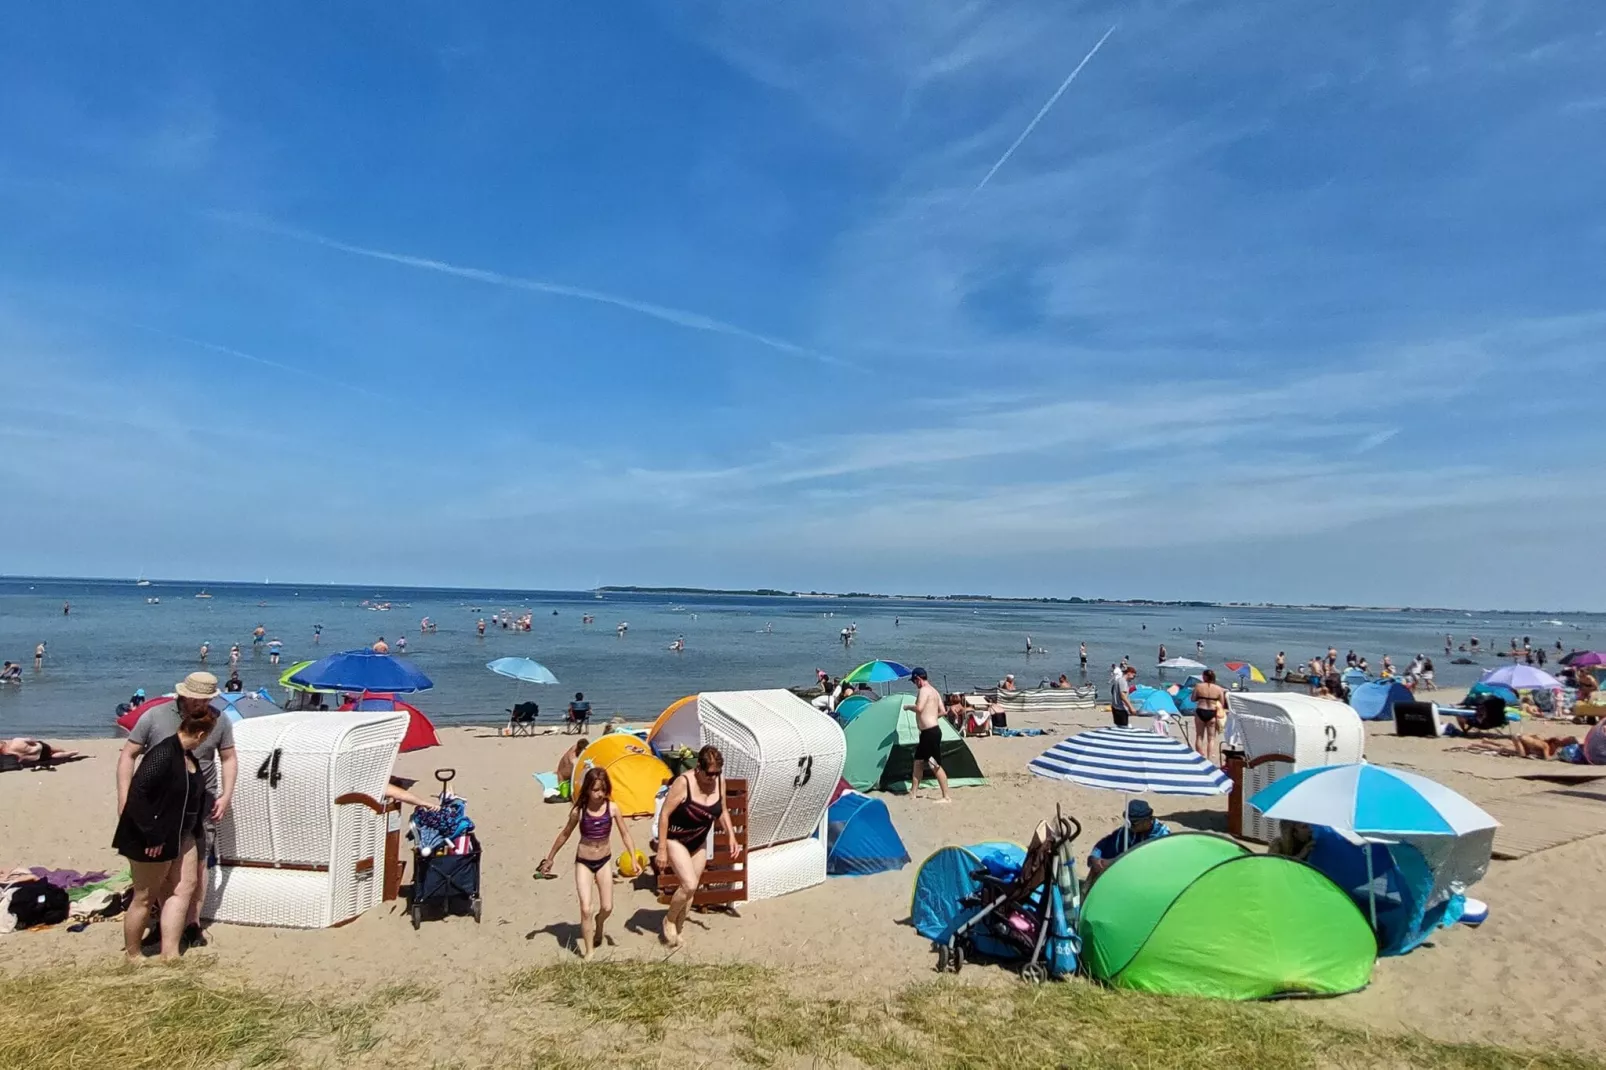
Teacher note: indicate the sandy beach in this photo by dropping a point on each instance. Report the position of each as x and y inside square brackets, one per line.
[849, 935]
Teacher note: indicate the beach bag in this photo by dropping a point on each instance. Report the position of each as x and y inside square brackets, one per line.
[38, 903]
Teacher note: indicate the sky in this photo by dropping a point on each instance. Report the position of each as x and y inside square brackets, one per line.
[1273, 302]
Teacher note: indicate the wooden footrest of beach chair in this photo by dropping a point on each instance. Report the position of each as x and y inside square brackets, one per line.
[724, 879]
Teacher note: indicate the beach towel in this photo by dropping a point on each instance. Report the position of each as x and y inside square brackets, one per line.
[549, 786]
[1020, 732]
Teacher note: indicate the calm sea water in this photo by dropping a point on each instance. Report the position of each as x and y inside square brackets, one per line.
[113, 642]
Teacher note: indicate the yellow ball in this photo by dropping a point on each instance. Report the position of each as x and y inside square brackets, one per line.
[630, 865]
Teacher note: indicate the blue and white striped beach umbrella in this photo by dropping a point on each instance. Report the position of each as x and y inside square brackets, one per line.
[1132, 760]
[1371, 801]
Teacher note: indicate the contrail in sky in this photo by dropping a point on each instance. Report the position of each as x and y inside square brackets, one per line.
[1043, 111]
[679, 317]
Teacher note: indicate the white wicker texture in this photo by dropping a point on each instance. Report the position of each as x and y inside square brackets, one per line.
[282, 898]
[1313, 732]
[292, 820]
[785, 868]
[789, 753]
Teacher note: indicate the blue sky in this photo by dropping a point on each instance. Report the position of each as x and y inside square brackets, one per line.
[1278, 301]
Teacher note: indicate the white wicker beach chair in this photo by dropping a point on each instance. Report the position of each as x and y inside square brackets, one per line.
[789, 753]
[303, 843]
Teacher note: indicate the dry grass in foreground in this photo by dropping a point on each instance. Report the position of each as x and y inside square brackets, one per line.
[668, 1014]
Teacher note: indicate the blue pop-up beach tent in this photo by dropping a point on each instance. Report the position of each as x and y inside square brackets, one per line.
[1375, 701]
[860, 838]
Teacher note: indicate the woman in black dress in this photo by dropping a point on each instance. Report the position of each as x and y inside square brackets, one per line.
[157, 832]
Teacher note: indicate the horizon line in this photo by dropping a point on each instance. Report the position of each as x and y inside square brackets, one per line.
[754, 592]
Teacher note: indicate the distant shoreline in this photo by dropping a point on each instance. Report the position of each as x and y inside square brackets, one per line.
[491, 593]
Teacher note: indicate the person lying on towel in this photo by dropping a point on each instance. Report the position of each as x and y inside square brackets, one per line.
[1140, 827]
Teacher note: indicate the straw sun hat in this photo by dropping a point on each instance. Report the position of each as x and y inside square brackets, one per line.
[197, 685]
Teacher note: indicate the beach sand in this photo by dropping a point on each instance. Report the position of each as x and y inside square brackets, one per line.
[1532, 973]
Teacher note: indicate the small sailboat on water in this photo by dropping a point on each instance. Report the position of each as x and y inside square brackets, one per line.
[203, 594]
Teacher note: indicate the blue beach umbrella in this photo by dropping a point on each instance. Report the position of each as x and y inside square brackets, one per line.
[1371, 803]
[524, 669]
[363, 670]
[1362, 801]
[876, 672]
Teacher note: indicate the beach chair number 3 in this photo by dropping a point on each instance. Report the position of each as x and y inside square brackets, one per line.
[269, 770]
[1332, 739]
[805, 770]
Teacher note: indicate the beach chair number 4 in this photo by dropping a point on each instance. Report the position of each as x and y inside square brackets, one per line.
[805, 770]
[1332, 739]
[269, 770]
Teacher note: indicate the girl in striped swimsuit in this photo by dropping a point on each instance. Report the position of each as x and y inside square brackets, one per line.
[597, 815]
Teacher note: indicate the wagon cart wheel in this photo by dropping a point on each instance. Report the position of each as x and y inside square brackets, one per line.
[942, 958]
[477, 902]
[1034, 973]
[959, 957]
[417, 914]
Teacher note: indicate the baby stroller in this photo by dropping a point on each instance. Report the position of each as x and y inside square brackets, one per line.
[446, 858]
[1028, 917]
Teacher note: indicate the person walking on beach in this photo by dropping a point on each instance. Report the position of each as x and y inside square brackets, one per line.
[928, 750]
[696, 800]
[161, 813]
[214, 752]
[258, 635]
[1161, 658]
[274, 647]
[39, 657]
[597, 816]
[401, 644]
[66, 608]
[234, 657]
[1121, 707]
[380, 646]
[1210, 711]
[1281, 668]
[1083, 655]
[481, 627]
[317, 634]
[1198, 648]
[206, 648]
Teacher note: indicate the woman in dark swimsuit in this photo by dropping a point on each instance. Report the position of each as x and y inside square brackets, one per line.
[695, 801]
[597, 815]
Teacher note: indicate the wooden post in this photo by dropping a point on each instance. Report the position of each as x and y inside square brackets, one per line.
[393, 863]
[1233, 766]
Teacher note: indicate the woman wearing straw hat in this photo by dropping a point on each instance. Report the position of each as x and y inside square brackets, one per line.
[160, 820]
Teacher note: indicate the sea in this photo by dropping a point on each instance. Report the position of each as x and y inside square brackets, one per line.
[119, 636]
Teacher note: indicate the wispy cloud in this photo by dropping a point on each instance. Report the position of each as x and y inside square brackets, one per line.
[679, 317]
[1375, 439]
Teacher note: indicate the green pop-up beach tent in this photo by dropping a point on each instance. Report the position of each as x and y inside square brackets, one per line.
[881, 749]
[1194, 914]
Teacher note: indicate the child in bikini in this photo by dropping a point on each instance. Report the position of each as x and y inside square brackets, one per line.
[597, 815]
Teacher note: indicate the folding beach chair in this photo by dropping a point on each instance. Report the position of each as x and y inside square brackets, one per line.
[521, 719]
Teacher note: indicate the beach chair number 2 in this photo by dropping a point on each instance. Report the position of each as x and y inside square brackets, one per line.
[1332, 739]
[269, 770]
[805, 770]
